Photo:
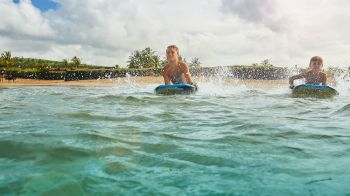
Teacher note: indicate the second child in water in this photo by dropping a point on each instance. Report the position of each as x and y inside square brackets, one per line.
[175, 71]
[313, 75]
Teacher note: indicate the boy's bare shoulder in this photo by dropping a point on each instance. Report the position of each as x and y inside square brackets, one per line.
[183, 64]
[323, 74]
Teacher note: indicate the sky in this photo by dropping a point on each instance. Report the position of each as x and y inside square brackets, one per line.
[218, 32]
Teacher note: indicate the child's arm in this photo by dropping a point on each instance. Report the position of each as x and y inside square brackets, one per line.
[187, 73]
[166, 76]
[291, 80]
[166, 79]
[324, 78]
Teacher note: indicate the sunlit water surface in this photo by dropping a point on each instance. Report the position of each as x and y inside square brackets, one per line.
[227, 139]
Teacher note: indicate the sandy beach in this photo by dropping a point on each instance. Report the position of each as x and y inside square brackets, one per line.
[140, 80]
[102, 82]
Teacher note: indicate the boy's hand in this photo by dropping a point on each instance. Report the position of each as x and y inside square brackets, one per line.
[195, 85]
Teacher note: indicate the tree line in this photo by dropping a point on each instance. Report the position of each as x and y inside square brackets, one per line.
[148, 58]
[139, 59]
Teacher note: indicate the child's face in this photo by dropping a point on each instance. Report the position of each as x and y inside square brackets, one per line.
[316, 65]
[171, 54]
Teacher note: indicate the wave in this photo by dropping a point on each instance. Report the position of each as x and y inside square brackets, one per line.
[344, 111]
[87, 116]
[34, 151]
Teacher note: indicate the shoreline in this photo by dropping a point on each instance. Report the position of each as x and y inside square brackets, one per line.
[140, 80]
[99, 82]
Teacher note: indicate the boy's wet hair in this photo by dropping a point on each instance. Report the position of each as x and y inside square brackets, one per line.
[316, 58]
[173, 47]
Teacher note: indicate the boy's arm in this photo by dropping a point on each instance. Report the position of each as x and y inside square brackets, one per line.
[324, 79]
[166, 77]
[291, 79]
[187, 74]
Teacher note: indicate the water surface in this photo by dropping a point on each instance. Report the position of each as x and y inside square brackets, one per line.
[125, 140]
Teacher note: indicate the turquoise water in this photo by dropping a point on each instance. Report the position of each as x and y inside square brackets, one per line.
[125, 140]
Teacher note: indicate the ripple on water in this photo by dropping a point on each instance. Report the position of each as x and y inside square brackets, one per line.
[52, 184]
[115, 141]
[344, 111]
[44, 153]
[87, 116]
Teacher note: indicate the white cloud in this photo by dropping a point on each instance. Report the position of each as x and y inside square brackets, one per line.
[219, 32]
[266, 12]
[23, 20]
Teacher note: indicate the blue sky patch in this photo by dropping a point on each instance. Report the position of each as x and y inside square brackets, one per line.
[43, 5]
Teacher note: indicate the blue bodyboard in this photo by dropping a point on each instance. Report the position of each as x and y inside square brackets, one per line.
[313, 90]
[173, 89]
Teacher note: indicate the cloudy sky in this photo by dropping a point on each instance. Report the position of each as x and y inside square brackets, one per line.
[219, 32]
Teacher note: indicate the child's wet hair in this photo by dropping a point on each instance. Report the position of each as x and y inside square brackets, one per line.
[173, 47]
[316, 58]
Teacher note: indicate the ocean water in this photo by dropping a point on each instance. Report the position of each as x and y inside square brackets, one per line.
[228, 139]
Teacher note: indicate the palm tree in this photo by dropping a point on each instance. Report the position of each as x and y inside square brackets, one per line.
[6, 56]
[76, 61]
[266, 62]
[146, 58]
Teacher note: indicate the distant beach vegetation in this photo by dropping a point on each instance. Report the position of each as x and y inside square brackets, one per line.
[141, 63]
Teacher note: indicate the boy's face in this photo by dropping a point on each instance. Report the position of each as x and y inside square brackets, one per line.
[172, 54]
[316, 65]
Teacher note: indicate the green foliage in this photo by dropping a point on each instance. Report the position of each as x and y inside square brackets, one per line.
[336, 71]
[266, 62]
[75, 61]
[163, 61]
[2, 63]
[26, 63]
[182, 59]
[12, 70]
[65, 63]
[32, 70]
[252, 67]
[6, 55]
[263, 63]
[42, 64]
[19, 70]
[195, 63]
[146, 58]
[6, 59]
